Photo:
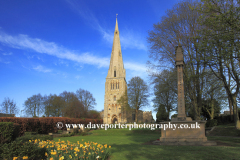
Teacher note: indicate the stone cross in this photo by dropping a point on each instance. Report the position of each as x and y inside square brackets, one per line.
[181, 101]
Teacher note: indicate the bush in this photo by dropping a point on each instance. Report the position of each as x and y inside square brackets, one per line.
[26, 138]
[75, 130]
[224, 119]
[211, 123]
[21, 149]
[30, 133]
[16, 131]
[60, 131]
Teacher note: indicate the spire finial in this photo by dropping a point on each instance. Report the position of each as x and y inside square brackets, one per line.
[116, 15]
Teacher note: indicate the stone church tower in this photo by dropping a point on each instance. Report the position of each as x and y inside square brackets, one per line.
[115, 85]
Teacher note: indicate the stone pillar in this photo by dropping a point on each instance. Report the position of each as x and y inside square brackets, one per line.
[181, 101]
[193, 132]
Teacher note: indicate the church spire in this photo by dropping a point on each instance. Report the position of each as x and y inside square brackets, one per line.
[116, 68]
[116, 27]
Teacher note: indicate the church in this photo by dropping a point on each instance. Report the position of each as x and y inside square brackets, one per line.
[116, 86]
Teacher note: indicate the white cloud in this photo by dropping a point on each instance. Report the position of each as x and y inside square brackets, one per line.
[135, 67]
[40, 46]
[40, 68]
[77, 77]
[25, 42]
[7, 54]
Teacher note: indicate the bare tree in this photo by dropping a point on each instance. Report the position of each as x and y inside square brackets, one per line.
[9, 106]
[179, 25]
[73, 106]
[86, 98]
[54, 105]
[34, 105]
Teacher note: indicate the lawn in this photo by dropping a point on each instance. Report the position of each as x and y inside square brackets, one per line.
[129, 145]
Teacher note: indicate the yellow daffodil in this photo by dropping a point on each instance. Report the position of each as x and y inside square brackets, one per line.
[53, 153]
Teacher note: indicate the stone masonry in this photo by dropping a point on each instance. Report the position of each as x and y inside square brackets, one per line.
[116, 86]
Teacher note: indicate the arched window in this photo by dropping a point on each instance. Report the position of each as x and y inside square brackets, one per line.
[115, 71]
[111, 85]
[114, 98]
[118, 85]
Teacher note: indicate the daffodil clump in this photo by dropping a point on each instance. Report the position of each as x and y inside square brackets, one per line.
[61, 150]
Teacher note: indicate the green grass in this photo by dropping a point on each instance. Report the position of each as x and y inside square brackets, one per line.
[128, 145]
[225, 130]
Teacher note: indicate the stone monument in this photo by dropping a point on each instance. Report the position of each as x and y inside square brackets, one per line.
[187, 131]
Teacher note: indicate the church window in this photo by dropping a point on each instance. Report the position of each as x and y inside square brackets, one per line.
[115, 71]
[114, 98]
[109, 109]
[111, 85]
[118, 85]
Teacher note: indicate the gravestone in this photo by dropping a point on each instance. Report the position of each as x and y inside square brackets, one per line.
[192, 132]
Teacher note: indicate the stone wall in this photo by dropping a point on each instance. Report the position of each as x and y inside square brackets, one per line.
[147, 117]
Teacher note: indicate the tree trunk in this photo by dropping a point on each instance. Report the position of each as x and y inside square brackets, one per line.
[230, 108]
[235, 110]
[136, 115]
[229, 100]
[212, 105]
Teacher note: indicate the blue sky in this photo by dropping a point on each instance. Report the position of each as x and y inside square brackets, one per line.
[52, 46]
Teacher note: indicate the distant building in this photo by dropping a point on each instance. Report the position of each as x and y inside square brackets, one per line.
[115, 87]
[225, 113]
[6, 115]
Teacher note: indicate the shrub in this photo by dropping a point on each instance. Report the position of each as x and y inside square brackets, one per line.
[21, 149]
[211, 123]
[60, 131]
[75, 130]
[30, 133]
[224, 119]
[26, 138]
